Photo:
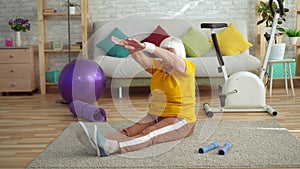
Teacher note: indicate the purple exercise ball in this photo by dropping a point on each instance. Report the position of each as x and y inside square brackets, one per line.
[81, 79]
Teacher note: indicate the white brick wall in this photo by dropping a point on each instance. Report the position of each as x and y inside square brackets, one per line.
[110, 9]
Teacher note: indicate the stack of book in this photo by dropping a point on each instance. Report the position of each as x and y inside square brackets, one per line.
[75, 46]
[49, 11]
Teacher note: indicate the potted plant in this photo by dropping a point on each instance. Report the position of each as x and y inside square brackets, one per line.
[293, 35]
[72, 6]
[19, 24]
[278, 49]
[267, 17]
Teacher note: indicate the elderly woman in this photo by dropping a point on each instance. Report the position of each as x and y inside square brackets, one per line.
[171, 114]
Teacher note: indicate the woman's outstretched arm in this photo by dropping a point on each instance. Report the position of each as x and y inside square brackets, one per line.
[170, 59]
[136, 50]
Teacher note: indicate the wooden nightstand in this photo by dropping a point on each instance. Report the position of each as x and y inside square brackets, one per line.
[18, 69]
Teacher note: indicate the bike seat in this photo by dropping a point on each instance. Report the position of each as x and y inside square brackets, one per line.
[213, 25]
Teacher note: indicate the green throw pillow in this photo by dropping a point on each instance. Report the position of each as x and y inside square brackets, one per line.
[111, 48]
[195, 43]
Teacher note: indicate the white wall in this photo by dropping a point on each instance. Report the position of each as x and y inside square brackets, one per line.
[110, 9]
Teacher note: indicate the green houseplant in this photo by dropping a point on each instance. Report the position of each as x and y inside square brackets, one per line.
[293, 35]
[278, 49]
[267, 18]
[266, 14]
[72, 6]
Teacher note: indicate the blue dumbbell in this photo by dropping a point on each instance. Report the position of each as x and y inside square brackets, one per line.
[209, 147]
[225, 148]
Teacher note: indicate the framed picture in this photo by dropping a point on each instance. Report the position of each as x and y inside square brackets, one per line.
[56, 45]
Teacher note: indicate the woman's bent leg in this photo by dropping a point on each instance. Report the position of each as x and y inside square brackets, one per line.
[135, 129]
[165, 130]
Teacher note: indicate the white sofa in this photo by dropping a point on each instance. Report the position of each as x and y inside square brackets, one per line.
[125, 72]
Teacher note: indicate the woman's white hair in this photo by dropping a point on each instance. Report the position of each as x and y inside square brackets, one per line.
[176, 44]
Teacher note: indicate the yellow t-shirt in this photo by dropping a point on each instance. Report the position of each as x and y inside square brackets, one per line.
[172, 94]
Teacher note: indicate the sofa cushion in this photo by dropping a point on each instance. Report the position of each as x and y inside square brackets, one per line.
[157, 36]
[111, 48]
[124, 68]
[205, 66]
[231, 41]
[195, 43]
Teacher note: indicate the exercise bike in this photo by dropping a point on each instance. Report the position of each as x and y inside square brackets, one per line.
[243, 91]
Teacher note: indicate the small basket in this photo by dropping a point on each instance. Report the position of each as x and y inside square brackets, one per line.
[278, 70]
[52, 76]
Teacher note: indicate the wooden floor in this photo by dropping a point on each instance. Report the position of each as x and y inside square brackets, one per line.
[28, 124]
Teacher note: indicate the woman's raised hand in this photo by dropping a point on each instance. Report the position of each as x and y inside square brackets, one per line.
[131, 44]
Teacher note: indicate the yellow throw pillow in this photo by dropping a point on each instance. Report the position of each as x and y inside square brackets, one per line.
[231, 41]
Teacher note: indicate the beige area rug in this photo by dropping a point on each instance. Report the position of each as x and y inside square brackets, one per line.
[255, 144]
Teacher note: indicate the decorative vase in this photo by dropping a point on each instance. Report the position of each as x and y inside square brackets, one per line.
[293, 40]
[277, 51]
[18, 40]
[72, 9]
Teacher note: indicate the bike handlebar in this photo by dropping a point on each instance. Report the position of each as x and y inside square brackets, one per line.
[281, 8]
